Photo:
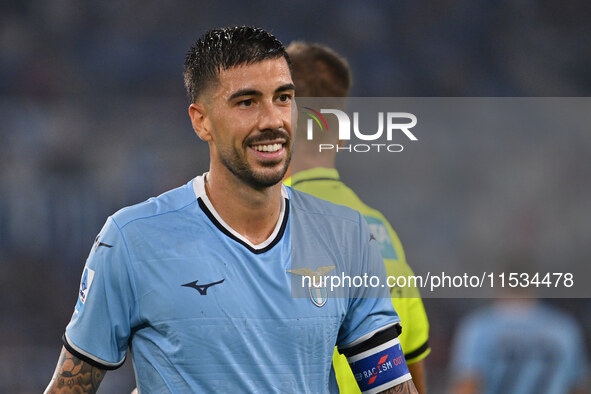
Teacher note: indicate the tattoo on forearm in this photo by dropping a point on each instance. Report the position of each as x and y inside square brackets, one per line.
[75, 376]
[407, 387]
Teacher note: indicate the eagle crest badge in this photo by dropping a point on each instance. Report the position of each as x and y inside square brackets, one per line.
[316, 283]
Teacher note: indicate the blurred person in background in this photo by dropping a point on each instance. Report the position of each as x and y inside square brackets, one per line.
[318, 71]
[518, 345]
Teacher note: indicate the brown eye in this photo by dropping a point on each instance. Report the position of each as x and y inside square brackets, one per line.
[284, 98]
[245, 103]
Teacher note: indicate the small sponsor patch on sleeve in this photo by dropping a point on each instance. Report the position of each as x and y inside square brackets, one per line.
[87, 277]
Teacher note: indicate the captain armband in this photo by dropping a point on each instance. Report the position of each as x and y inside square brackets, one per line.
[378, 363]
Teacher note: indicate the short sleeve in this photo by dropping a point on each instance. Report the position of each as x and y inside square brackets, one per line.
[101, 324]
[370, 307]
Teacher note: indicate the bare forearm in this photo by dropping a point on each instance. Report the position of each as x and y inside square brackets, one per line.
[407, 387]
[73, 375]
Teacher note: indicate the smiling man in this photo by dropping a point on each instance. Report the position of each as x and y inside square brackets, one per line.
[198, 281]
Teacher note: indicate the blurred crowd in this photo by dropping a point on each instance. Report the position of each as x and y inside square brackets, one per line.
[445, 48]
[94, 118]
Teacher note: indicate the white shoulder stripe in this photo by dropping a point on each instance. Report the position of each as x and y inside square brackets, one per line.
[90, 356]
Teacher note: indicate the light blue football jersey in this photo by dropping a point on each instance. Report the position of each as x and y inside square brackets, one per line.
[520, 349]
[204, 310]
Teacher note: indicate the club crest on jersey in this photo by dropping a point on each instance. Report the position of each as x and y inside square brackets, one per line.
[318, 295]
[316, 281]
[87, 277]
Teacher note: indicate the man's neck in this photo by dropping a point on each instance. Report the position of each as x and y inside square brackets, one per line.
[251, 212]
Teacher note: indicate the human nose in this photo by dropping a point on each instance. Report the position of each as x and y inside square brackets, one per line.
[271, 117]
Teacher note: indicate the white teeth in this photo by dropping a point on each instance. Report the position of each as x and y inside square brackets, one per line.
[267, 148]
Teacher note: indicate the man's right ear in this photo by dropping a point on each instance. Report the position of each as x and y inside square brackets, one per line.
[198, 115]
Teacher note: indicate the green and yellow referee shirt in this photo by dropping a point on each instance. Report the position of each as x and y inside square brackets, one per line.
[325, 183]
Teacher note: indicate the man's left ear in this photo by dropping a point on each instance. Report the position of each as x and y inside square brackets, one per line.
[198, 115]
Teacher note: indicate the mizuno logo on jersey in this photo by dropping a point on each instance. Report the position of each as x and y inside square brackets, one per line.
[202, 289]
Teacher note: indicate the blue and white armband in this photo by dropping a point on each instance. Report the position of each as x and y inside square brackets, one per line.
[378, 363]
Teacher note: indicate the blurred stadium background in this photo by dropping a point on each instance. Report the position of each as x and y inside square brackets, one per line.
[93, 115]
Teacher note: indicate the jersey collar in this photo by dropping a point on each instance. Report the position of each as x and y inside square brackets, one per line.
[207, 207]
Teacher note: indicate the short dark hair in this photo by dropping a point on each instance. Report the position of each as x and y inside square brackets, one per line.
[223, 48]
[318, 71]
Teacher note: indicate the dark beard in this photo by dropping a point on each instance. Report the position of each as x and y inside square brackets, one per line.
[244, 172]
